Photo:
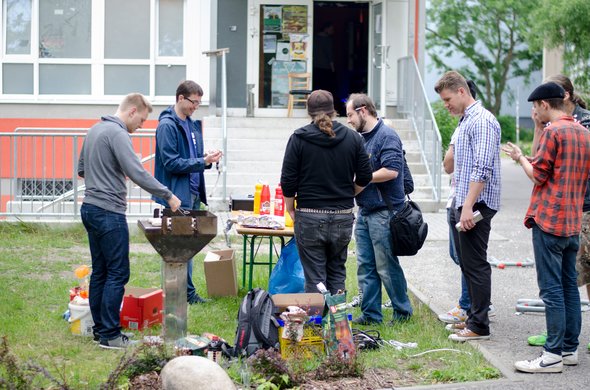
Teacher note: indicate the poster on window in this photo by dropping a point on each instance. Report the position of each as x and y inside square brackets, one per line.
[270, 43]
[280, 80]
[283, 51]
[272, 18]
[298, 46]
[294, 19]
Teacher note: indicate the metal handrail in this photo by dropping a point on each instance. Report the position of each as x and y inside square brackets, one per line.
[67, 195]
[413, 102]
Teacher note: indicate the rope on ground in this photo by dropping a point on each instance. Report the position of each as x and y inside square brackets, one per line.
[439, 350]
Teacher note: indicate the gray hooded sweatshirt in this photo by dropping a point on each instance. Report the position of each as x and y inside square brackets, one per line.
[106, 160]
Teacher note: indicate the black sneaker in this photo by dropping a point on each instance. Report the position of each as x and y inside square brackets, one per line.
[363, 321]
[198, 300]
[96, 338]
[119, 342]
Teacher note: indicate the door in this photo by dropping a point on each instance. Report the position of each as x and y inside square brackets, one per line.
[278, 43]
[378, 55]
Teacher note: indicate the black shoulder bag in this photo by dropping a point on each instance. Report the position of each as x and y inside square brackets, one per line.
[408, 229]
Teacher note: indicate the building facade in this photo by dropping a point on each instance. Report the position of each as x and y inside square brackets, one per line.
[75, 59]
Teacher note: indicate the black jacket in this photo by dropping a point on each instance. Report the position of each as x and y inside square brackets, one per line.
[321, 171]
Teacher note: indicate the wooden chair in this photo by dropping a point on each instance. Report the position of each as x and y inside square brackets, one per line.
[299, 90]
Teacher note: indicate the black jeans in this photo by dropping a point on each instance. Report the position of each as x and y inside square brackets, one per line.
[322, 242]
[473, 257]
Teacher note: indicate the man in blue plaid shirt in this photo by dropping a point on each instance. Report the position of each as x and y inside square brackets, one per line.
[477, 176]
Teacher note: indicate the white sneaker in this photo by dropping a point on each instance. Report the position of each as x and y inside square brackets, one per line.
[355, 302]
[387, 305]
[453, 316]
[547, 362]
[570, 358]
[492, 311]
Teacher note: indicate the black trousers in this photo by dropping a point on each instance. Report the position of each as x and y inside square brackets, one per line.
[473, 254]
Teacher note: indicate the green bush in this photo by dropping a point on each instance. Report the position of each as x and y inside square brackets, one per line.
[446, 123]
[508, 127]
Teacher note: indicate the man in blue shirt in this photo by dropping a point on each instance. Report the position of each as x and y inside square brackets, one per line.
[180, 159]
[376, 262]
[477, 178]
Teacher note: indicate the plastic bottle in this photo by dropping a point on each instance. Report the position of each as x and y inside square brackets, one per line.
[214, 349]
[265, 200]
[257, 194]
[279, 202]
[288, 219]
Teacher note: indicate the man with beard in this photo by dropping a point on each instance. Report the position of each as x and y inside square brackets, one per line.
[375, 259]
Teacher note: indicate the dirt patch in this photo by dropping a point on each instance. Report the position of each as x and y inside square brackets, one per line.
[373, 379]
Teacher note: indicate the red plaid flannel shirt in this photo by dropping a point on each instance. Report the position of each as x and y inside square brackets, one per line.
[561, 165]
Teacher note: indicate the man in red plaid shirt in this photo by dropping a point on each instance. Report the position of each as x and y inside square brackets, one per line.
[559, 170]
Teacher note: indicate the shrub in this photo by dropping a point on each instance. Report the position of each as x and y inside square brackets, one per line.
[508, 127]
[446, 123]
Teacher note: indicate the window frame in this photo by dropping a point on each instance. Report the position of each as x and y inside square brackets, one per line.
[192, 59]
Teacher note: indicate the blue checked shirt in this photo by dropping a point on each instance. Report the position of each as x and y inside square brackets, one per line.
[477, 156]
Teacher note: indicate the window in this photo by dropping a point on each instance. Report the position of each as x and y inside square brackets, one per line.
[120, 79]
[123, 38]
[85, 49]
[18, 27]
[17, 78]
[170, 22]
[64, 29]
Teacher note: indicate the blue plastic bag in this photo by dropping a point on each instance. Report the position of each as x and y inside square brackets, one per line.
[287, 276]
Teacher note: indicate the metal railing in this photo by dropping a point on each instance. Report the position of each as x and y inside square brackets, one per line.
[39, 179]
[413, 103]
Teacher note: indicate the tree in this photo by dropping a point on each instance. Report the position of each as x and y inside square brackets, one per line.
[489, 34]
[565, 24]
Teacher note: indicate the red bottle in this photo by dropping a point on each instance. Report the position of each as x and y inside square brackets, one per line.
[265, 200]
[279, 202]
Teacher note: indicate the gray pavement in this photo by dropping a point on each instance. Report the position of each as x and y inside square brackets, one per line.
[435, 279]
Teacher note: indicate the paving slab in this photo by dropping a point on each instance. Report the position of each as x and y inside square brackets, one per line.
[435, 279]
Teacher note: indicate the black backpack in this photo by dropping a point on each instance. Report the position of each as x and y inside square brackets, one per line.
[257, 326]
[408, 230]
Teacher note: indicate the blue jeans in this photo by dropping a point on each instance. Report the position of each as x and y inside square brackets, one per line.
[555, 259]
[322, 242]
[464, 299]
[191, 292]
[108, 236]
[376, 265]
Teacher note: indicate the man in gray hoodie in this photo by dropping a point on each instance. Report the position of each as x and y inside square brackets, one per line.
[106, 160]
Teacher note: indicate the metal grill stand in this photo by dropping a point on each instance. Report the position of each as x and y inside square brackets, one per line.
[177, 240]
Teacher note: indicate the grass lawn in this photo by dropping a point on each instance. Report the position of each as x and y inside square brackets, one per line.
[36, 274]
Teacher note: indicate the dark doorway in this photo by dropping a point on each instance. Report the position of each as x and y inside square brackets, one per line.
[340, 49]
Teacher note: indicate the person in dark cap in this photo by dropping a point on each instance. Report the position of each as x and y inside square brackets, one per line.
[324, 167]
[559, 171]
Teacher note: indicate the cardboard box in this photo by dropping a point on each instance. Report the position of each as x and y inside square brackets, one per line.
[220, 273]
[142, 307]
[312, 303]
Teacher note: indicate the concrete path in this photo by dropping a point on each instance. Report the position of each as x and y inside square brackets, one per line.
[435, 279]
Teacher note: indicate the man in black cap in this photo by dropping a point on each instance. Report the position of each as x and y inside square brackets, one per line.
[559, 170]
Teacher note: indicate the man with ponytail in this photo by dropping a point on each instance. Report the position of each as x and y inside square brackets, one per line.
[324, 167]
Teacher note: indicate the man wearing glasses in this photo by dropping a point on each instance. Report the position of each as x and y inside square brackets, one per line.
[375, 259]
[180, 160]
